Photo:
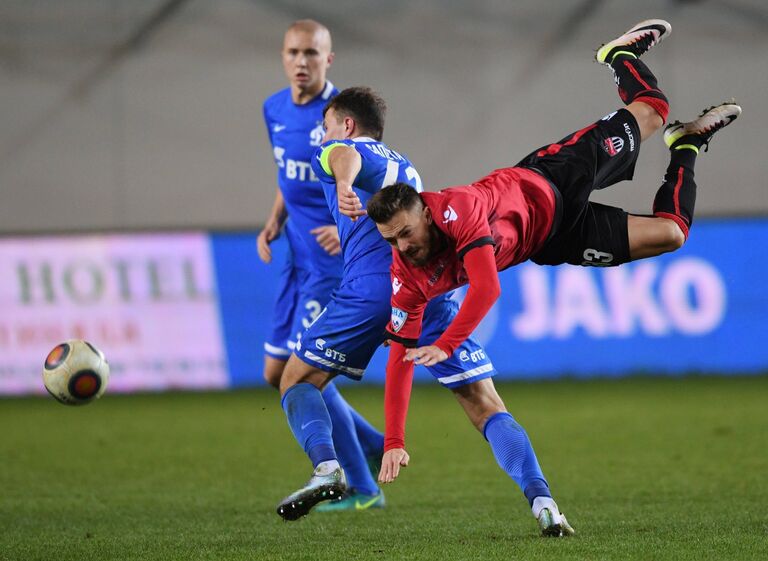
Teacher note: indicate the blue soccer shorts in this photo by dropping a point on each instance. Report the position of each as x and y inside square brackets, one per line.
[351, 327]
[301, 296]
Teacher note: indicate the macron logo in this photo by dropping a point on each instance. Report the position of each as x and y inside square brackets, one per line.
[397, 284]
[450, 215]
[278, 128]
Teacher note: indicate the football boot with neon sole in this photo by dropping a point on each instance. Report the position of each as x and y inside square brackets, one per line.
[553, 524]
[319, 488]
[636, 41]
[353, 501]
[704, 126]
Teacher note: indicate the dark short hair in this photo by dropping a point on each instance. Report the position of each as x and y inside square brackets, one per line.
[391, 200]
[365, 106]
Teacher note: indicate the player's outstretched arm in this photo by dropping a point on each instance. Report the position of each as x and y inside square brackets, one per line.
[484, 290]
[272, 228]
[397, 394]
[345, 163]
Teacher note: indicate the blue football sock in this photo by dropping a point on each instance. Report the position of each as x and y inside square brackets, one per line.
[369, 436]
[515, 455]
[351, 456]
[371, 440]
[309, 420]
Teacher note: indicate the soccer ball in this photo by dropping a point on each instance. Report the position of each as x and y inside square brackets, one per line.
[75, 372]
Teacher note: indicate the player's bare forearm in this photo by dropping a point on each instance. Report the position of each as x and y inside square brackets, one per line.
[345, 163]
[278, 214]
[272, 227]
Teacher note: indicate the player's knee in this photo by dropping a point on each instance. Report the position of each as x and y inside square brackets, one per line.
[298, 372]
[648, 119]
[272, 378]
[273, 371]
[654, 122]
[672, 235]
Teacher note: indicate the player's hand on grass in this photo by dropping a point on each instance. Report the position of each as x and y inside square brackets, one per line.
[349, 202]
[328, 238]
[427, 356]
[391, 463]
[270, 233]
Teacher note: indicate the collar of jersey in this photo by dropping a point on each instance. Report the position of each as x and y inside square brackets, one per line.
[363, 139]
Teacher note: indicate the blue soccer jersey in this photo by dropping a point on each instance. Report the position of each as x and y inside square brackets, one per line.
[363, 248]
[295, 132]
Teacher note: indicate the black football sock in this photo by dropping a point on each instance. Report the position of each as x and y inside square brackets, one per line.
[637, 83]
[676, 197]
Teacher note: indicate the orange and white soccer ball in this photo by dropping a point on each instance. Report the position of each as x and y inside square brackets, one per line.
[75, 372]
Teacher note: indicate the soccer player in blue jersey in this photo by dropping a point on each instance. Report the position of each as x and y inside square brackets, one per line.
[294, 122]
[348, 331]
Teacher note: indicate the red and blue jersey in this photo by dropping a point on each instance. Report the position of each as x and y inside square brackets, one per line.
[295, 132]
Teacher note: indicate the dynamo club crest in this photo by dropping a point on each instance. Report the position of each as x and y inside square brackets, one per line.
[398, 318]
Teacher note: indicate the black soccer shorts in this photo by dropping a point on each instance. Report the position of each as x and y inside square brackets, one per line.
[594, 157]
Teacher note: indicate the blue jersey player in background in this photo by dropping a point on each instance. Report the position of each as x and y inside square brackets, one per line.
[294, 121]
[353, 165]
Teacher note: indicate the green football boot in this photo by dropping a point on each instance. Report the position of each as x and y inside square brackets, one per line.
[353, 501]
[318, 488]
[554, 525]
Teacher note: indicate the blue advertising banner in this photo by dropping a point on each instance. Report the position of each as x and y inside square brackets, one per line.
[700, 309]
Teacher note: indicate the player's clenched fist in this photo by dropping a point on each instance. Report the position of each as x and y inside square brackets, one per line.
[390, 464]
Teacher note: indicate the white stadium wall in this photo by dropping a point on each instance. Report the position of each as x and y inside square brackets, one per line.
[98, 132]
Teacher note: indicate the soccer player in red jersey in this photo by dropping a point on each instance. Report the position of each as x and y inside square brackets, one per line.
[537, 210]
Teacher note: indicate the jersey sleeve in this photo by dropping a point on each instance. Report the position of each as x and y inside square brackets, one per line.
[320, 164]
[465, 220]
[484, 290]
[397, 395]
[408, 306]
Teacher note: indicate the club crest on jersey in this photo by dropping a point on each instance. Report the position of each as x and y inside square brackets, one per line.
[398, 319]
[316, 135]
[613, 145]
[397, 284]
[450, 215]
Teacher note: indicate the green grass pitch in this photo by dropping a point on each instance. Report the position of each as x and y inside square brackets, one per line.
[644, 468]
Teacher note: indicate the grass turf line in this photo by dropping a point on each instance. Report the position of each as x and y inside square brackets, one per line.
[644, 469]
